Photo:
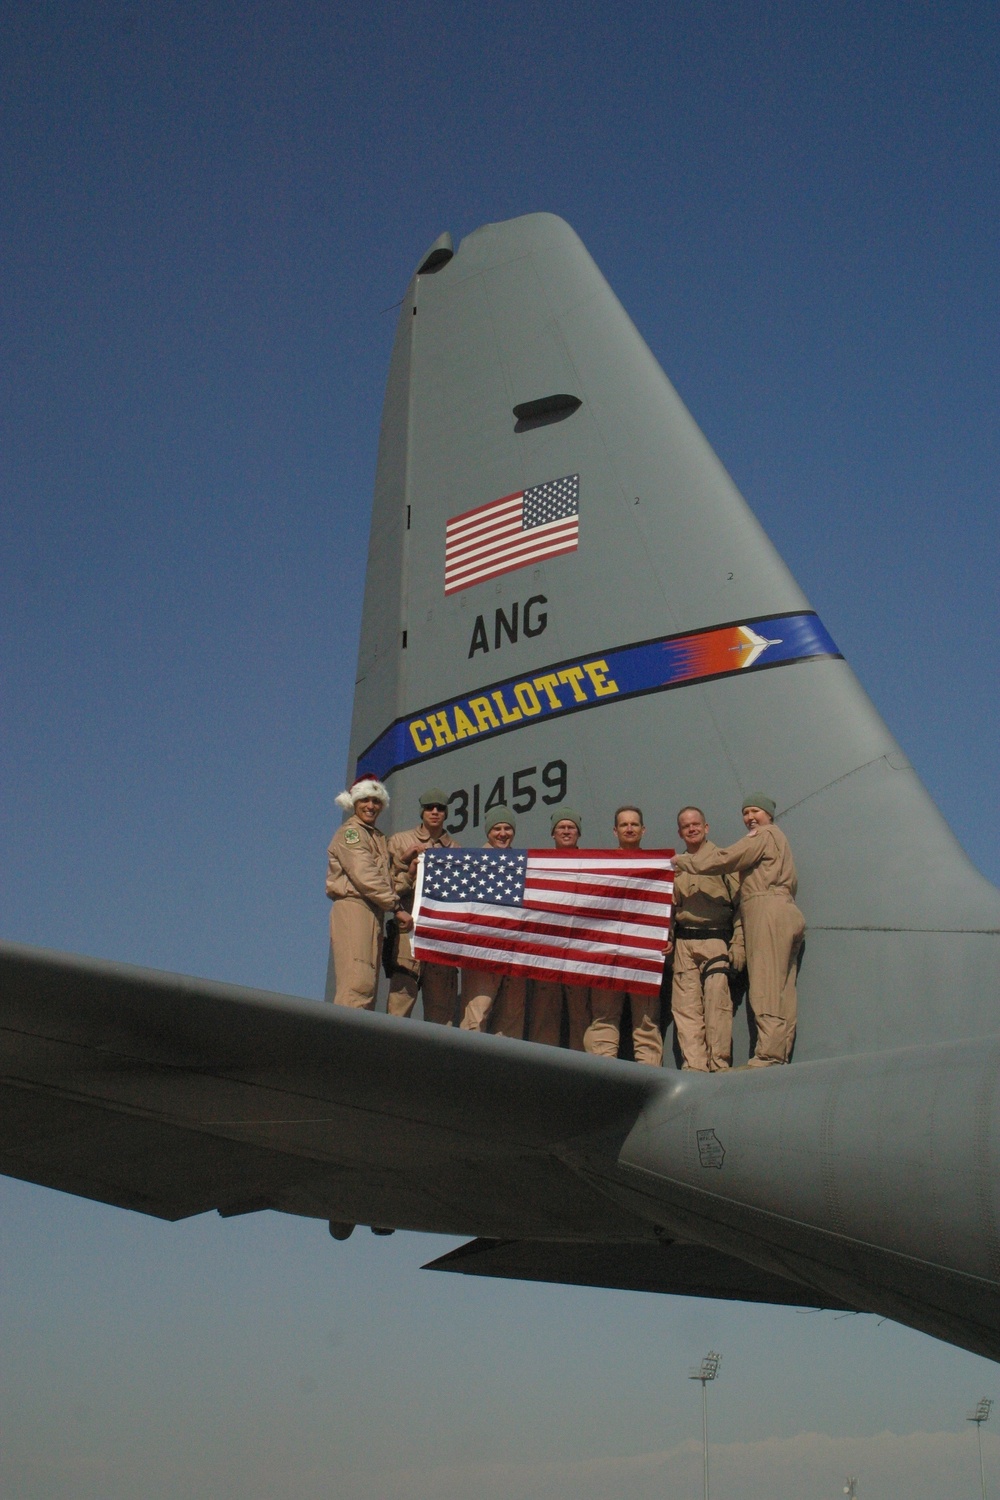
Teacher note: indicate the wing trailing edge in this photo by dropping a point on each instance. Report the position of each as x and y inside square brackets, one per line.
[663, 1266]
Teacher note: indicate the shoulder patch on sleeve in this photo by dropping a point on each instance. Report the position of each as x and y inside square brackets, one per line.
[352, 836]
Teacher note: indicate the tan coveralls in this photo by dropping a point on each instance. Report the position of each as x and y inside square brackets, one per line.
[493, 1002]
[604, 1032]
[545, 1013]
[773, 929]
[707, 934]
[438, 983]
[359, 883]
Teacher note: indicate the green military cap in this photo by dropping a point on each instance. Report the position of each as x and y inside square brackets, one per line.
[565, 815]
[766, 804]
[432, 796]
[500, 814]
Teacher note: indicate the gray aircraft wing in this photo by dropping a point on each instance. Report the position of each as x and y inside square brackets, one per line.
[667, 1266]
[175, 1096]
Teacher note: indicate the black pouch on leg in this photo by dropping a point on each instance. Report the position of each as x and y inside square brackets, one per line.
[390, 947]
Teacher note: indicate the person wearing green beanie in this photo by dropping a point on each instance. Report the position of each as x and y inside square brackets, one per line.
[773, 926]
[573, 830]
[761, 803]
[490, 1001]
[437, 983]
[497, 816]
[547, 996]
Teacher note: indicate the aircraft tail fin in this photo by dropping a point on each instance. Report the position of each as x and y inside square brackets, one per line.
[569, 601]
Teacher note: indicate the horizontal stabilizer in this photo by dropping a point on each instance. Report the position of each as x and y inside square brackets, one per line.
[683, 1270]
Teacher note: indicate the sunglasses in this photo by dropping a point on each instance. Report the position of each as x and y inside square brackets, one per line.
[435, 807]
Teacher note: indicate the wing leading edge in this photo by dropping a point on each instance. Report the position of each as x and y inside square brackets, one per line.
[174, 1096]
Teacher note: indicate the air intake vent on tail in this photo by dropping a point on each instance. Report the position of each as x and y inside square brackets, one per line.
[546, 409]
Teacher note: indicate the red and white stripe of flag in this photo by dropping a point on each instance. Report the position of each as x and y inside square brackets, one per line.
[599, 918]
[490, 540]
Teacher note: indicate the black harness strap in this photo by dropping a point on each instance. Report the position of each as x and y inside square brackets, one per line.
[720, 965]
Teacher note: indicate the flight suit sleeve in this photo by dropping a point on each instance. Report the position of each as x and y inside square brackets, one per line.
[742, 856]
[737, 947]
[368, 877]
[401, 847]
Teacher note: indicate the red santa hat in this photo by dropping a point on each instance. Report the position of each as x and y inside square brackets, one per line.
[368, 786]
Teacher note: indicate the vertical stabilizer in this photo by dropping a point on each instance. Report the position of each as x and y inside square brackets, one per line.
[568, 600]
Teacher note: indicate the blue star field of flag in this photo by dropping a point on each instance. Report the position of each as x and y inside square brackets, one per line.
[491, 877]
[552, 501]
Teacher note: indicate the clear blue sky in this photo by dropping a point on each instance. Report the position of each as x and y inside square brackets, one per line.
[206, 211]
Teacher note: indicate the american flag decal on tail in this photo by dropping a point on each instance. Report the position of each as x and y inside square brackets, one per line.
[598, 917]
[512, 532]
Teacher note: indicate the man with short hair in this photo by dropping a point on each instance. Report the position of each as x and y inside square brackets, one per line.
[359, 883]
[773, 926]
[708, 944]
[603, 1035]
[486, 995]
[437, 983]
[545, 1007]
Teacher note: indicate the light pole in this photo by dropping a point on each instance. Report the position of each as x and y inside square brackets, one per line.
[708, 1371]
[979, 1416]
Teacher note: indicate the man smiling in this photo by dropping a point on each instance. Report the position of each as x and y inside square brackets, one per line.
[437, 982]
[604, 1032]
[708, 942]
[773, 926]
[545, 1008]
[487, 996]
[359, 883]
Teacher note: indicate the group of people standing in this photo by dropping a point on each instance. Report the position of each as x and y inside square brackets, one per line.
[734, 909]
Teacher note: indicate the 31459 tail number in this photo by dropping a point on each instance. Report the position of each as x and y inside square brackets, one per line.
[467, 807]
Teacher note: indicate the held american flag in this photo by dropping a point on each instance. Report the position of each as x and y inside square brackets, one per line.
[512, 532]
[588, 916]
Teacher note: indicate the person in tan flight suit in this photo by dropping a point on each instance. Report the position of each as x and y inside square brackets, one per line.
[490, 1001]
[604, 1032]
[438, 983]
[360, 885]
[773, 926]
[708, 942]
[545, 1008]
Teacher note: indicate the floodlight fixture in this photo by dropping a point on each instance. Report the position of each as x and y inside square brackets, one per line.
[979, 1416]
[707, 1370]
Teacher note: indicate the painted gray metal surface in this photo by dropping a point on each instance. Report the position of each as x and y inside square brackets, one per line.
[903, 931]
[865, 1175]
[174, 1096]
[687, 1270]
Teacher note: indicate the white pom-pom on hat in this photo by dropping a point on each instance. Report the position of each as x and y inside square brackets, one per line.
[366, 787]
